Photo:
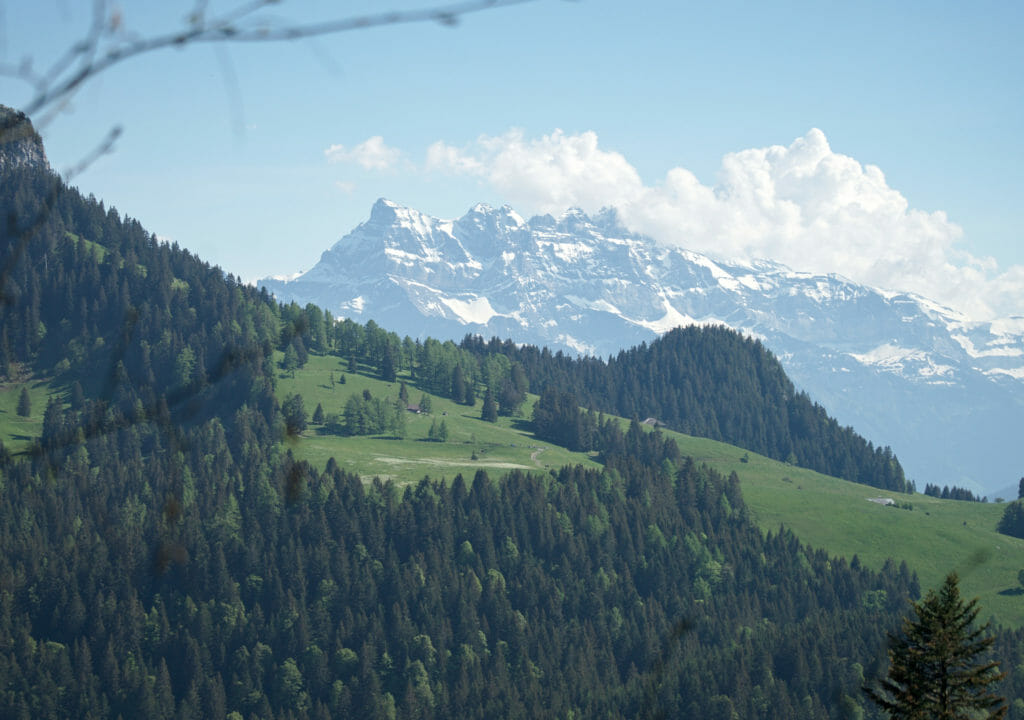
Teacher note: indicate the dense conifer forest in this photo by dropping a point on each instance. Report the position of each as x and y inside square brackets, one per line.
[163, 554]
[711, 382]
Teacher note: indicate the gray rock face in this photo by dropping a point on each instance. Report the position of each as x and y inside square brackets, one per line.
[20, 144]
[947, 394]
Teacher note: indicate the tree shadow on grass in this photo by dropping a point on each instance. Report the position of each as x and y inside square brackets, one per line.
[522, 425]
[1012, 591]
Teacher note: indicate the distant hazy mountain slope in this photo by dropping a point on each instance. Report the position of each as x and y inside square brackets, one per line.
[945, 393]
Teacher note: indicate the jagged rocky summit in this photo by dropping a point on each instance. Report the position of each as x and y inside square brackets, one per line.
[946, 393]
[20, 144]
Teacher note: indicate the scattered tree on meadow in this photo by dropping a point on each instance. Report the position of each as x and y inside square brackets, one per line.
[937, 668]
[438, 432]
[398, 421]
[24, 403]
[334, 424]
[290, 361]
[318, 415]
[1012, 521]
[293, 409]
[490, 409]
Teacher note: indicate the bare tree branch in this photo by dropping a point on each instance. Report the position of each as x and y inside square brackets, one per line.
[91, 55]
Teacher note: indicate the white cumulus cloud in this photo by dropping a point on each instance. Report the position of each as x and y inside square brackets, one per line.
[548, 174]
[802, 204]
[371, 154]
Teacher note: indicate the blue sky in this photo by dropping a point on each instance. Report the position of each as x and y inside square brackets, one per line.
[878, 140]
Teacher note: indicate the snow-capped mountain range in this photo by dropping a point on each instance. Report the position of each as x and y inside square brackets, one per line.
[945, 393]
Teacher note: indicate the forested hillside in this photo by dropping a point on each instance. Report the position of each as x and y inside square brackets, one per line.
[162, 554]
[711, 382]
[149, 330]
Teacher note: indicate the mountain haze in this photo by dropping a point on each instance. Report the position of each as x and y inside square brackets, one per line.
[943, 391]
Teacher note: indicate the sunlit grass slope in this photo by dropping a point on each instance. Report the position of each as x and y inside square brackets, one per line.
[500, 446]
[933, 537]
[16, 432]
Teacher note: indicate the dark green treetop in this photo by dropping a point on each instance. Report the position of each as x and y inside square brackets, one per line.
[937, 664]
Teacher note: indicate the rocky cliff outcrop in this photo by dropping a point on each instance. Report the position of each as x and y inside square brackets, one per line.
[20, 144]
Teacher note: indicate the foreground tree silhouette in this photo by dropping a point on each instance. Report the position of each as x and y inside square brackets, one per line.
[937, 666]
[110, 39]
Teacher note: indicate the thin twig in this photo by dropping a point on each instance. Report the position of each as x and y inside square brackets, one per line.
[55, 85]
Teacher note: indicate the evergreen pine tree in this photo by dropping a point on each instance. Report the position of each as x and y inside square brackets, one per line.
[1012, 521]
[24, 403]
[935, 670]
[387, 366]
[458, 393]
[291, 360]
[438, 432]
[77, 396]
[300, 351]
[490, 409]
[398, 425]
[293, 410]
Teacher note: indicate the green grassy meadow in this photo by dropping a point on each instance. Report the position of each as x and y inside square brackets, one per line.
[934, 537]
[505, 445]
[18, 432]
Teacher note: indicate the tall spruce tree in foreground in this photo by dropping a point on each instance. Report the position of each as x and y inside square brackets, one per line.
[937, 668]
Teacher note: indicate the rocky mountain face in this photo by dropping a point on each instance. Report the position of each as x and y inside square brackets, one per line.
[20, 144]
[946, 393]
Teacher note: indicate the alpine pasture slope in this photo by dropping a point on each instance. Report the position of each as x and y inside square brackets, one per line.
[945, 393]
[932, 536]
